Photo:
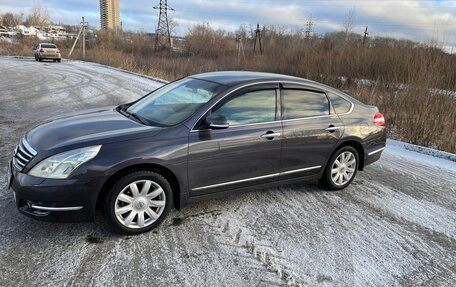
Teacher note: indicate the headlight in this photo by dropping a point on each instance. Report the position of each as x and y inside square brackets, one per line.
[60, 166]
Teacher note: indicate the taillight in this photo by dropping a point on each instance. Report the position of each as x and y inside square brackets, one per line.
[58, 51]
[379, 120]
[41, 50]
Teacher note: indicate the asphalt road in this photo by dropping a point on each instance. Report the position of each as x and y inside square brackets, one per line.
[394, 226]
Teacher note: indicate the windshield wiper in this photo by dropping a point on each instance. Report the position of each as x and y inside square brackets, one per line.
[123, 111]
[137, 118]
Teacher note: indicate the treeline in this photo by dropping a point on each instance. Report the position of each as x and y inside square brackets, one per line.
[412, 83]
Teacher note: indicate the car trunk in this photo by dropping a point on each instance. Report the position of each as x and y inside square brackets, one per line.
[48, 51]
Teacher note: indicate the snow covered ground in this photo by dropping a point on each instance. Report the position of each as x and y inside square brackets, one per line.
[394, 226]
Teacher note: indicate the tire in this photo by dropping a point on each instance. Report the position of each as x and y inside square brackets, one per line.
[337, 177]
[59, 60]
[131, 205]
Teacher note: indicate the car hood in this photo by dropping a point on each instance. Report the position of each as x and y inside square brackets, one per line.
[88, 128]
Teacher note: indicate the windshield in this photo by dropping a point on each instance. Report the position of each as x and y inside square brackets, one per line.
[174, 102]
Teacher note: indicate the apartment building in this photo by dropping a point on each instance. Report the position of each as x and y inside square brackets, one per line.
[109, 14]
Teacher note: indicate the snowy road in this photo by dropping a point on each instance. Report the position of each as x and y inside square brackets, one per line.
[394, 226]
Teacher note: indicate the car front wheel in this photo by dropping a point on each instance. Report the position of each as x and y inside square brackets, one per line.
[138, 202]
[341, 168]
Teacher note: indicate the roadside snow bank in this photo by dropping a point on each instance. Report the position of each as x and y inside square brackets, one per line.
[426, 155]
[123, 71]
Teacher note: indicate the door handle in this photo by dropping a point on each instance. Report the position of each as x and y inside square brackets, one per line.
[332, 128]
[270, 135]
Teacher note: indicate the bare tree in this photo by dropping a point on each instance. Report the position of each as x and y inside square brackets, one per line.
[11, 20]
[349, 19]
[173, 24]
[39, 16]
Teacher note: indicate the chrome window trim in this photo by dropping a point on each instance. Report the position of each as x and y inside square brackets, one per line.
[345, 98]
[377, 151]
[256, 178]
[255, 124]
[309, 85]
[235, 126]
[310, 118]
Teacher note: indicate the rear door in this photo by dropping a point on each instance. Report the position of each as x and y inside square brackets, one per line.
[310, 131]
[246, 153]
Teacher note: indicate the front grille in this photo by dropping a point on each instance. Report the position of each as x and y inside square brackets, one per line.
[23, 154]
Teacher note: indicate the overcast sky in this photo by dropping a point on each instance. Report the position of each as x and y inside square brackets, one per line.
[420, 20]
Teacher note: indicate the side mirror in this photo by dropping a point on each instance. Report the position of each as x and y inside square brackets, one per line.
[217, 122]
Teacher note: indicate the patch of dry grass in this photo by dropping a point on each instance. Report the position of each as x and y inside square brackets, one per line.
[404, 76]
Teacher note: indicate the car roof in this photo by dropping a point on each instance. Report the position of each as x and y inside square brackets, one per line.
[234, 78]
[48, 44]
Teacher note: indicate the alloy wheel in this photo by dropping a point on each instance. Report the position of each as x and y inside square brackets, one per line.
[343, 168]
[140, 204]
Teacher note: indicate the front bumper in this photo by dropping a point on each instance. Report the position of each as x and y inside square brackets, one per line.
[69, 200]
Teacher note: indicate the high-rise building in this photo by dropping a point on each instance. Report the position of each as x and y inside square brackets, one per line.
[109, 14]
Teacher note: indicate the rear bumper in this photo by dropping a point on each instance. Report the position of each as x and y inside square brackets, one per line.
[51, 57]
[72, 200]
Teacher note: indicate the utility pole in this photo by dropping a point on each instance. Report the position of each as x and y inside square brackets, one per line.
[240, 45]
[258, 39]
[309, 27]
[163, 34]
[81, 30]
[365, 36]
[83, 23]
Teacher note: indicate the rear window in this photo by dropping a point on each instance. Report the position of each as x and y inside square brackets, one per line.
[48, 46]
[302, 104]
[339, 104]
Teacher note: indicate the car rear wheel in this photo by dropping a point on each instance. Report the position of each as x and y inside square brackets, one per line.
[341, 168]
[138, 202]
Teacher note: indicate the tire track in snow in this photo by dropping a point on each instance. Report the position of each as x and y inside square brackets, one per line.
[239, 236]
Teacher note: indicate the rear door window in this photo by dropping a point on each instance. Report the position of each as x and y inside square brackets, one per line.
[298, 104]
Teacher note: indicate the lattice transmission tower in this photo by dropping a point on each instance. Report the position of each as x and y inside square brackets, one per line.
[258, 39]
[309, 27]
[163, 34]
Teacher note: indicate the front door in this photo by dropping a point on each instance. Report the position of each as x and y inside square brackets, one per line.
[246, 153]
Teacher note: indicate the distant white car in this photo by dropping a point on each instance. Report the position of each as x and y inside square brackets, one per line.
[47, 51]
